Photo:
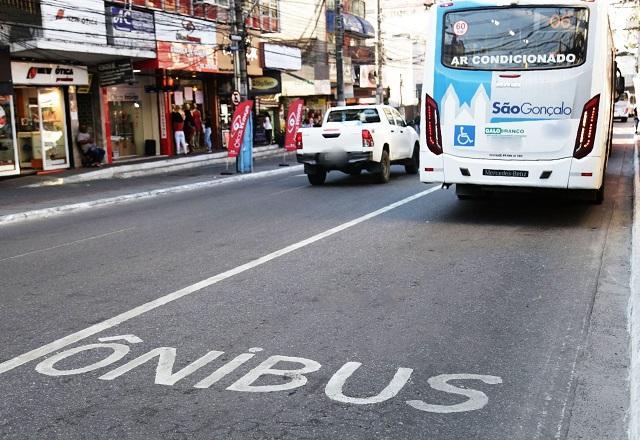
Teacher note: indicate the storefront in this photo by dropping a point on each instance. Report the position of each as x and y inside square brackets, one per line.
[41, 113]
[9, 164]
[133, 120]
[265, 90]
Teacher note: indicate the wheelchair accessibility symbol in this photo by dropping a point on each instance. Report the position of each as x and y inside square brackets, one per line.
[464, 136]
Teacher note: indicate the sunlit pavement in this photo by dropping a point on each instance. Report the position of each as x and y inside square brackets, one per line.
[273, 309]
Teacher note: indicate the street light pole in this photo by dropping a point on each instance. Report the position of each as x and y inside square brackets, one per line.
[339, 54]
[239, 39]
[379, 97]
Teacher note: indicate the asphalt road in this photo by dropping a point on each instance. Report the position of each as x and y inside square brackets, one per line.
[430, 319]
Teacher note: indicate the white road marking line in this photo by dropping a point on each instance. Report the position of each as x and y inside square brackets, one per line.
[137, 311]
[288, 190]
[71, 243]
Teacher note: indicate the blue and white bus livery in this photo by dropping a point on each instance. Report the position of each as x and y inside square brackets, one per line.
[518, 95]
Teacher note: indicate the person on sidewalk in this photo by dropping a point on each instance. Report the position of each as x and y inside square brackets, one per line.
[207, 134]
[89, 147]
[635, 117]
[268, 129]
[189, 127]
[178, 130]
[197, 126]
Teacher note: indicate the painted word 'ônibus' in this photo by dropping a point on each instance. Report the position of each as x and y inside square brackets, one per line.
[296, 377]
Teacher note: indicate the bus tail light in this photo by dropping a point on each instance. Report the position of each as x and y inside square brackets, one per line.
[587, 129]
[367, 139]
[432, 119]
[299, 140]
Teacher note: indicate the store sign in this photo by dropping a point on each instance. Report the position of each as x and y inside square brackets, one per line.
[269, 84]
[130, 28]
[367, 77]
[238, 126]
[189, 57]
[182, 29]
[276, 56]
[362, 54]
[124, 94]
[49, 74]
[185, 43]
[294, 122]
[64, 21]
[116, 72]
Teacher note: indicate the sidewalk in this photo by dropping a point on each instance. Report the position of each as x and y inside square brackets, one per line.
[143, 167]
[93, 187]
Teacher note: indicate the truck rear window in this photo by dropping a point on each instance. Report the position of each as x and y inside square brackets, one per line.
[364, 115]
[515, 38]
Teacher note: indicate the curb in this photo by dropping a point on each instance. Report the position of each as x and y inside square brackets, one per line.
[154, 168]
[634, 307]
[65, 209]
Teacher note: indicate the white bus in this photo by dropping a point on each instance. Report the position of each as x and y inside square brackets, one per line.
[518, 94]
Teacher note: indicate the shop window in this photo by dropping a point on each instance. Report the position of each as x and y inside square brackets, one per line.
[127, 121]
[267, 16]
[154, 4]
[41, 134]
[170, 5]
[184, 6]
[215, 10]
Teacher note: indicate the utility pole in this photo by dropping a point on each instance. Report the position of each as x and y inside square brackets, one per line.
[379, 55]
[239, 41]
[339, 54]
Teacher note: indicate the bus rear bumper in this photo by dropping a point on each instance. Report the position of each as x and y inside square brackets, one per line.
[561, 173]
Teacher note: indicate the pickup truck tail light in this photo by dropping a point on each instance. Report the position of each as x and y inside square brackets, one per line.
[432, 119]
[587, 129]
[299, 141]
[367, 139]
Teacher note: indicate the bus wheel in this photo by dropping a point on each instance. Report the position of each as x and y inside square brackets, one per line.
[598, 195]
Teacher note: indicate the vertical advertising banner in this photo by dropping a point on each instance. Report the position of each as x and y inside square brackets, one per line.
[294, 121]
[238, 126]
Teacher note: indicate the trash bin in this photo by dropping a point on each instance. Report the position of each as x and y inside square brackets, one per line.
[150, 147]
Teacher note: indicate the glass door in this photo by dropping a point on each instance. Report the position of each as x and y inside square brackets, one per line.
[9, 163]
[53, 129]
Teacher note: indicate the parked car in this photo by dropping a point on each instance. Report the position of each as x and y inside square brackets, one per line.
[356, 138]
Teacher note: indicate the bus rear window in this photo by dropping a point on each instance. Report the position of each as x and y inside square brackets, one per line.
[527, 38]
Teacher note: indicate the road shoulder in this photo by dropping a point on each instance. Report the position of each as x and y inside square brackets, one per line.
[600, 381]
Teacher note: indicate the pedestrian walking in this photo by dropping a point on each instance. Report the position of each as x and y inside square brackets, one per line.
[177, 120]
[635, 117]
[268, 129]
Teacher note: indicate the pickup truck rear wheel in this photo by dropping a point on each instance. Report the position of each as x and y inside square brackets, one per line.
[318, 177]
[413, 165]
[384, 175]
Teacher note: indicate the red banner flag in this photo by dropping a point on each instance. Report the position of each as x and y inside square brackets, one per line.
[238, 127]
[294, 121]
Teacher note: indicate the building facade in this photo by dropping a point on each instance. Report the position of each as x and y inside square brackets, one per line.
[118, 68]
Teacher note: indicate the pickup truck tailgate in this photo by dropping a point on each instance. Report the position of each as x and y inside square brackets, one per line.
[332, 138]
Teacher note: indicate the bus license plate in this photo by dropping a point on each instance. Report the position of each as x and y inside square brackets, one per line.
[505, 173]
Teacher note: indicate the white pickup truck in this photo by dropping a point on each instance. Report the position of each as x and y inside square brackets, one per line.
[356, 138]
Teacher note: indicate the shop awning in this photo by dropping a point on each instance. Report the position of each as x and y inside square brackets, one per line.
[353, 25]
